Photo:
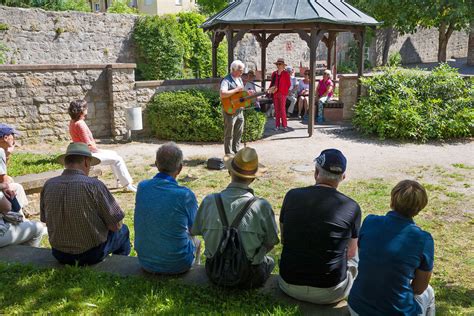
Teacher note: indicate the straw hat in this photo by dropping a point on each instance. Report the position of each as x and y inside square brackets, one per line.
[244, 164]
[280, 60]
[78, 149]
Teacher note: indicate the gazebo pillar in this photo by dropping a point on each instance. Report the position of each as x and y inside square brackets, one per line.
[263, 46]
[360, 62]
[331, 45]
[216, 39]
[315, 37]
[230, 48]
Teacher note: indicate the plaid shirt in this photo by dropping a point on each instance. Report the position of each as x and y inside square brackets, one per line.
[77, 210]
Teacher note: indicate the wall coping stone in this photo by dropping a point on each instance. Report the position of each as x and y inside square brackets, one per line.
[56, 67]
[180, 82]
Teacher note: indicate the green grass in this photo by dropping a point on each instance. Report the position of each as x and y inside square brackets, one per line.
[25, 163]
[449, 217]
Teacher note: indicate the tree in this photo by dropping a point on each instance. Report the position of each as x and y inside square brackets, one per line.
[210, 7]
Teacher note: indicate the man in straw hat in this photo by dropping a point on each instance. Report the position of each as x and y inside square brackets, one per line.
[258, 229]
[320, 227]
[84, 221]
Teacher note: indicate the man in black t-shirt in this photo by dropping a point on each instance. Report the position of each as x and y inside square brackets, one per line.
[319, 229]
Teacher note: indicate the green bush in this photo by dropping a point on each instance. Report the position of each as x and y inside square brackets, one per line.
[394, 60]
[195, 115]
[417, 105]
[174, 47]
[121, 7]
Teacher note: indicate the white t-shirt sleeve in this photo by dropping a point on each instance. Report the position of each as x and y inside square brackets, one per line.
[225, 85]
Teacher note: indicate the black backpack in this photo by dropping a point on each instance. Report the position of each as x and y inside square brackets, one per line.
[230, 266]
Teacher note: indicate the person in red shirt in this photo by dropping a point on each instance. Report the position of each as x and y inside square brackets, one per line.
[281, 81]
[80, 133]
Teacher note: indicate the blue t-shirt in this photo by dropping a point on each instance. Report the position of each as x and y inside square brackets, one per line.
[164, 212]
[391, 248]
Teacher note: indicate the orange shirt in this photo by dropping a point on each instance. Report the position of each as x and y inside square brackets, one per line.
[80, 132]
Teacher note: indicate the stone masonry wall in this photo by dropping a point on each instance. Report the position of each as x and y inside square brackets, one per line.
[35, 99]
[35, 36]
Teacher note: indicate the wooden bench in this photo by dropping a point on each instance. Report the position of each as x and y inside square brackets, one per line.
[129, 266]
[33, 183]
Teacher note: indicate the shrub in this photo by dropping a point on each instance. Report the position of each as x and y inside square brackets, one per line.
[174, 47]
[3, 53]
[418, 105]
[160, 51]
[394, 60]
[122, 7]
[195, 115]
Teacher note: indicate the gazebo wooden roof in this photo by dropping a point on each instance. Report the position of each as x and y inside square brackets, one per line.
[312, 20]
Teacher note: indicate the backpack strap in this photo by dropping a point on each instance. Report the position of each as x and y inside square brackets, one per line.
[220, 207]
[242, 212]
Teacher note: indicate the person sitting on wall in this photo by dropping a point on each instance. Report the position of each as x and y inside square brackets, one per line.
[164, 215]
[324, 92]
[396, 259]
[80, 132]
[293, 91]
[303, 95]
[84, 221]
[319, 228]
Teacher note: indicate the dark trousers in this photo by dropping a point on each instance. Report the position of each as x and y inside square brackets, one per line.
[260, 274]
[117, 243]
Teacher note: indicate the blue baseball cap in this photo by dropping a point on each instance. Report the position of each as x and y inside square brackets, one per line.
[332, 160]
[7, 130]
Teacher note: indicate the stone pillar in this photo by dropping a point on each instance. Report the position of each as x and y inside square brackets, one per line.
[470, 47]
[122, 95]
[348, 94]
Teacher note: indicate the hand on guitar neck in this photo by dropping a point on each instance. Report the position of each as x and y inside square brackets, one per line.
[241, 99]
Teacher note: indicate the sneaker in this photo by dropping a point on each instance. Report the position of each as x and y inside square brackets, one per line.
[130, 188]
[276, 129]
[285, 129]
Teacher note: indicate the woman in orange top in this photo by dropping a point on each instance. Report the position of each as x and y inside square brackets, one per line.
[80, 132]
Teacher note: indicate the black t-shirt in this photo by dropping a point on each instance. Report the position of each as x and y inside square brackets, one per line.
[318, 223]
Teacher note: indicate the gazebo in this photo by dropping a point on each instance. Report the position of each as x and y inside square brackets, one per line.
[312, 20]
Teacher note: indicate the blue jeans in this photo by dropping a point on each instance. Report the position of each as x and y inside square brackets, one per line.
[117, 243]
[322, 100]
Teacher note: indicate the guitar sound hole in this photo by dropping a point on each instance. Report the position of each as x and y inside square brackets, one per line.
[241, 100]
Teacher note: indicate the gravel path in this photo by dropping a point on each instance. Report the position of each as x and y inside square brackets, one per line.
[367, 158]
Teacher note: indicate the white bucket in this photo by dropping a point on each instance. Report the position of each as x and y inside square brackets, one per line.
[134, 119]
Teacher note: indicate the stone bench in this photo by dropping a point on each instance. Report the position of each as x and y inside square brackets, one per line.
[33, 183]
[129, 266]
[333, 111]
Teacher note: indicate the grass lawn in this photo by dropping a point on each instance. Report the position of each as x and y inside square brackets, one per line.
[26, 163]
[449, 217]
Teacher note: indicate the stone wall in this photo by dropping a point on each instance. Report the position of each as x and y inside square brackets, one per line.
[35, 36]
[348, 94]
[35, 98]
[422, 46]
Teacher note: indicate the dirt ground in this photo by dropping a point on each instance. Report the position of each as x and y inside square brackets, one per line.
[367, 157]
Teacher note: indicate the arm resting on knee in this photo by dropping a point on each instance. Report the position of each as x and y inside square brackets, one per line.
[421, 281]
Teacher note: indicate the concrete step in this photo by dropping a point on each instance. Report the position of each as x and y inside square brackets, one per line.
[129, 266]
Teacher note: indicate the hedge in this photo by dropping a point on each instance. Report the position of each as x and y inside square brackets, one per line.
[196, 116]
[417, 105]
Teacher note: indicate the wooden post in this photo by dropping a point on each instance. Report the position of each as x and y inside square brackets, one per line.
[360, 63]
[215, 46]
[263, 46]
[334, 59]
[230, 48]
[313, 45]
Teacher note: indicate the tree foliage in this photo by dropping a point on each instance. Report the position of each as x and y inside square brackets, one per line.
[210, 7]
[51, 5]
[174, 47]
[121, 6]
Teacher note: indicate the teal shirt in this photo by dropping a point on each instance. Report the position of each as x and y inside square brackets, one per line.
[258, 229]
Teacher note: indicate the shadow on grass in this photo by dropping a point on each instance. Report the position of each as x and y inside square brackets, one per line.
[452, 299]
[81, 290]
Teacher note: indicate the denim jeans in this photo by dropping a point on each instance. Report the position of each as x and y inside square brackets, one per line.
[118, 243]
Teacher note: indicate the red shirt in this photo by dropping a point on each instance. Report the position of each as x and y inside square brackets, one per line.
[324, 86]
[282, 82]
[80, 132]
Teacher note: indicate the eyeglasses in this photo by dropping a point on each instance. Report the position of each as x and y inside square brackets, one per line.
[278, 64]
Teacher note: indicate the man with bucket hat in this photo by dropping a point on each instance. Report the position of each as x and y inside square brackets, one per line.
[319, 228]
[84, 221]
[257, 228]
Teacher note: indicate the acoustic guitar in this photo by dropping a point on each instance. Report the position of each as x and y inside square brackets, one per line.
[241, 99]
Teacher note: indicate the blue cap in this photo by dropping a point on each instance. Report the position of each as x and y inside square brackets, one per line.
[332, 160]
[7, 130]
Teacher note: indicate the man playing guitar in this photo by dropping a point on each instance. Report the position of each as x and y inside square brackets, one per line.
[233, 123]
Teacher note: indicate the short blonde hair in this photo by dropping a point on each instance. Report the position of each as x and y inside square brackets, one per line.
[408, 198]
[327, 72]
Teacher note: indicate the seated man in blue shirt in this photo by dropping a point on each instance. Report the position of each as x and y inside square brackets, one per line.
[396, 259]
[164, 215]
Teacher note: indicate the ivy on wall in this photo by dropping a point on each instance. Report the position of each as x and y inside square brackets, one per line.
[174, 47]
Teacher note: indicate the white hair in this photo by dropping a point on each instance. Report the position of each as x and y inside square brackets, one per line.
[326, 175]
[328, 72]
[169, 158]
[236, 65]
